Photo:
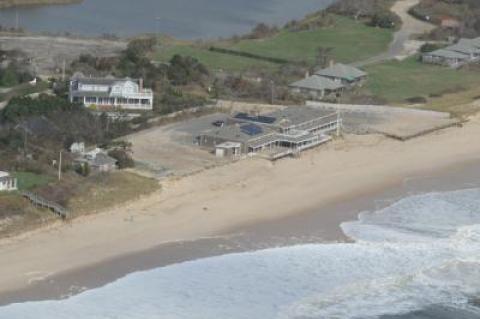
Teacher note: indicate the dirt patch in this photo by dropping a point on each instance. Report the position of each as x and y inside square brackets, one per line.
[47, 54]
[170, 150]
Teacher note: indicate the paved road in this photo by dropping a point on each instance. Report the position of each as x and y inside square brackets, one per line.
[402, 46]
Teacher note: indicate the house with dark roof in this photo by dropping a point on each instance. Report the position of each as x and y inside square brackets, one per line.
[317, 87]
[342, 73]
[110, 93]
[278, 134]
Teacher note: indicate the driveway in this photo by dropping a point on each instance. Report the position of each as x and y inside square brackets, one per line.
[402, 45]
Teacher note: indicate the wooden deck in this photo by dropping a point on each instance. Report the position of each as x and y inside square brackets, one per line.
[39, 201]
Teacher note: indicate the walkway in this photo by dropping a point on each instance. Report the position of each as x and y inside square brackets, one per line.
[37, 200]
[402, 45]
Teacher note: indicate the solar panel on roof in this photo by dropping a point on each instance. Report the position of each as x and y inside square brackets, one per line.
[251, 129]
[259, 119]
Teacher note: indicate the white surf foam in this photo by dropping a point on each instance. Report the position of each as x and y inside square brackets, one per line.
[423, 250]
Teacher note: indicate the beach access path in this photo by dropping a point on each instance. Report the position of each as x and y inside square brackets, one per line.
[218, 201]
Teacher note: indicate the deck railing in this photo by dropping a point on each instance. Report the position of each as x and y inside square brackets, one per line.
[38, 200]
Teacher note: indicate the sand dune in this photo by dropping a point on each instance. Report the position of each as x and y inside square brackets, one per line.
[221, 199]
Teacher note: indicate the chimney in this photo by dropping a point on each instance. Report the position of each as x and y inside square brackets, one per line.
[140, 84]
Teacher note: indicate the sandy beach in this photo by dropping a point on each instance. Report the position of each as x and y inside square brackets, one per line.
[233, 198]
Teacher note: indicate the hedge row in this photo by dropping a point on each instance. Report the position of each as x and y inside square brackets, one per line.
[249, 55]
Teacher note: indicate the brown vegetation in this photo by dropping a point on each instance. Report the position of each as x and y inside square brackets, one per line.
[459, 18]
[17, 3]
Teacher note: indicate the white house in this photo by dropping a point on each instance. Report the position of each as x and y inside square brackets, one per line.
[7, 182]
[77, 148]
[127, 94]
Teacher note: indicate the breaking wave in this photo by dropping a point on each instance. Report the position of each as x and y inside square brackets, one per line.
[422, 252]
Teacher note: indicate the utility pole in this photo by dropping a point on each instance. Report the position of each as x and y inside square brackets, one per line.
[25, 140]
[60, 167]
[272, 88]
[17, 24]
[64, 66]
[339, 124]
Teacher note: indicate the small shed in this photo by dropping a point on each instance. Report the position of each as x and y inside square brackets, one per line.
[228, 149]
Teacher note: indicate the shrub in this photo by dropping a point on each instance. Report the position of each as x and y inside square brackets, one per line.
[429, 47]
[83, 169]
[386, 20]
[416, 100]
[124, 160]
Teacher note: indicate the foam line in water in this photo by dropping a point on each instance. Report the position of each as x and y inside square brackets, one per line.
[421, 251]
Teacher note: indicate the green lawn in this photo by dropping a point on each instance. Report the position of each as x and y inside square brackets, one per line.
[397, 81]
[350, 40]
[213, 60]
[24, 89]
[27, 181]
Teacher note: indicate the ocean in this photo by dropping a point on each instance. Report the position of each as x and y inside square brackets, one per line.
[184, 19]
[418, 258]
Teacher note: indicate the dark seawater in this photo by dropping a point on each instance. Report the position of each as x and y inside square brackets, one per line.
[180, 18]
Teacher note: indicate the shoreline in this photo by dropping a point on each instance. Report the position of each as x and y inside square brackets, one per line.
[305, 228]
[249, 197]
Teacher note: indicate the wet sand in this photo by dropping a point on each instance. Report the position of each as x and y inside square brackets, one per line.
[264, 204]
[309, 227]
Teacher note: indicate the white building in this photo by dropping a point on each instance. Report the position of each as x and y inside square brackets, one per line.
[77, 148]
[7, 182]
[127, 94]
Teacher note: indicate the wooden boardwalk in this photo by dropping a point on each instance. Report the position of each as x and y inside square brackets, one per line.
[38, 200]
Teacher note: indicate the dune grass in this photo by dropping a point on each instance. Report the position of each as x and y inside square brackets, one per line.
[104, 191]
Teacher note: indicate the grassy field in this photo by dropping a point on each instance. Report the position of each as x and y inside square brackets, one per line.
[397, 81]
[109, 190]
[27, 181]
[24, 89]
[342, 36]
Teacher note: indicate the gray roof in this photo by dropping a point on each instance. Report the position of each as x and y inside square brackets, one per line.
[471, 42]
[109, 80]
[342, 71]
[296, 115]
[103, 159]
[463, 47]
[443, 53]
[317, 83]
